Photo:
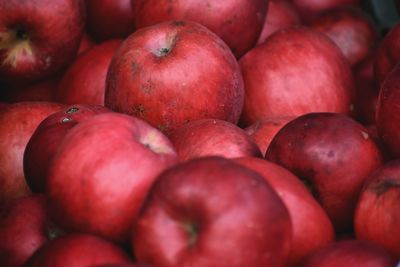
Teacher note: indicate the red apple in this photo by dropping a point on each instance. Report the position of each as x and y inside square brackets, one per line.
[84, 81]
[17, 124]
[102, 172]
[310, 9]
[352, 29]
[355, 253]
[77, 250]
[237, 22]
[24, 228]
[312, 228]
[38, 38]
[175, 72]
[377, 217]
[122, 265]
[332, 154]
[295, 71]
[387, 111]
[46, 139]
[281, 14]
[264, 130]
[209, 137]
[388, 53]
[212, 212]
[109, 19]
[86, 43]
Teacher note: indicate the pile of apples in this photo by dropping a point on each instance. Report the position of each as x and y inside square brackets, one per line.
[187, 133]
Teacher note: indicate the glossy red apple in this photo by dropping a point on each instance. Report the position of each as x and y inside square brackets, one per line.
[281, 14]
[17, 124]
[86, 43]
[387, 111]
[102, 172]
[352, 29]
[44, 142]
[109, 19]
[295, 71]
[377, 217]
[77, 250]
[175, 72]
[355, 253]
[310, 9]
[212, 212]
[24, 227]
[388, 53]
[84, 81]
[312, 228]
[237, 22]
[264, 130]
[209, 137]
[333, 154]
[38, 38]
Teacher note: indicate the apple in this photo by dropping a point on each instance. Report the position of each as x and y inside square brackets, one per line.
[310, 9]
[44, 142]
[376, 218]
[102, 171]
[17, 123]
[122, 265]
[264, 130]
[388, 53]
[312, 228]
[86, 43]
[237, 22]
[387, 112]
[84, 81]
[210, 137]
[352, 29]
[172, 73]
[38, 38]
[77, 250]
[24, 227]
[333, 154]
[295, 71]
[109, 19]
[355, 253]
[281, 14]
[212, 212]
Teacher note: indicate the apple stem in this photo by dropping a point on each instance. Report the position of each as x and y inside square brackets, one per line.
[192, 230]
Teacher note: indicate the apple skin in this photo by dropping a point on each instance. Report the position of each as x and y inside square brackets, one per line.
[86, 43]
[228, 19]
[38, 38]
[387, 112]
[355, 253]
[44, 142]
[209, 137]
[18, 122]
[333, 154]
[175, 72]
[278, 83]
[264, 130]
[122, 265]
[24, 227]
[388, 53]
[310, 9]
[352, 29]
[212, 212]
[84, 81]
[109, 19]
[102, 172]
[376, 218]
[77, 250]
[281, 14]
[312, 228]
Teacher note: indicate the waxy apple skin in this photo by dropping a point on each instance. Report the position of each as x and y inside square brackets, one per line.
[333, 154]
[172, 73]
[376, 216]
[212, 212]
[38, 38]
[237, 22]
[102, 172]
